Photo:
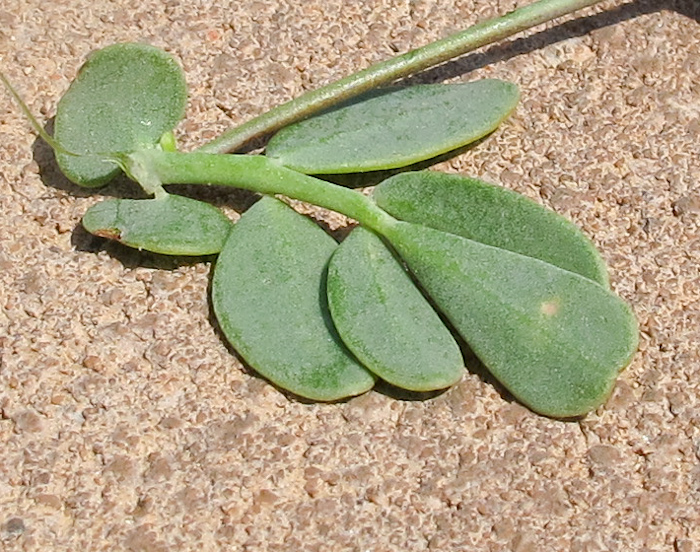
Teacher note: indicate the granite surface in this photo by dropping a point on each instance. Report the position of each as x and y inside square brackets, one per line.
[126, 423]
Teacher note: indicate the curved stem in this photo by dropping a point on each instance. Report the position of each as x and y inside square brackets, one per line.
[258, 174]
[388, 71]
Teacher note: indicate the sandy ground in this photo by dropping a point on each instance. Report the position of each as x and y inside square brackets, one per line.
[127, 424]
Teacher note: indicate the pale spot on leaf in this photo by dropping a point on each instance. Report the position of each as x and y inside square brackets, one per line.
[550, 308]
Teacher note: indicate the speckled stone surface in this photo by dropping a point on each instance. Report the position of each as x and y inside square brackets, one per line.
[126, 423]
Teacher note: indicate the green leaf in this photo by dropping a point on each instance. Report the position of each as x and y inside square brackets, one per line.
[269, 297]
[394, 129]
[385, 320]
[172, 224]
[554, 339]
[125, 97]
[491, 215]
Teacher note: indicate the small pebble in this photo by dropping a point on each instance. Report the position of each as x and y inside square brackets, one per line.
[15, 526]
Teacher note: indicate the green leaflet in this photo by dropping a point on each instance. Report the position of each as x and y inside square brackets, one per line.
[554, 339]
[491, 215]
[394, 128]
[172, 224]
[268, 293]
[385, 321]
[125, 98]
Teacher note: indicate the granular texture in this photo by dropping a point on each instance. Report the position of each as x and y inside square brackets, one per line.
[126, 422]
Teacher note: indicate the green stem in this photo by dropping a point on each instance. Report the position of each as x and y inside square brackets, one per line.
[258, 174]
[388, 71]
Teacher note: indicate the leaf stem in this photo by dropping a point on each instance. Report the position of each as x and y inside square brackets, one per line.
[259, 174]
[385, 72]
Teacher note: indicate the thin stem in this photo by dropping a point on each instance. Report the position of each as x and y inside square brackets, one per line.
[32, 120]
[258, 174]
[395, 68]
